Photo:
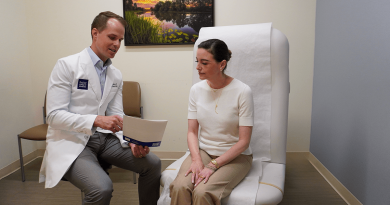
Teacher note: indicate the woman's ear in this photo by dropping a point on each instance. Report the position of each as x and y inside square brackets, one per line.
[223, 65]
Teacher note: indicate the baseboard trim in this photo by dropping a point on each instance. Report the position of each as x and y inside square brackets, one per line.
[163, 155]
[348, 197]
[14, 166]
[41, 152]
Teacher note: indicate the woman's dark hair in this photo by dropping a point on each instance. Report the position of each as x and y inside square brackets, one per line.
[218, 49]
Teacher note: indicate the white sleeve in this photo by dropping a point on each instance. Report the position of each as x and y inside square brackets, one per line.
[192, 112]
[246, 109]
[115, 106]
[58, 99]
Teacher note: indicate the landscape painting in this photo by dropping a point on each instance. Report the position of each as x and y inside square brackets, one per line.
[166, 22]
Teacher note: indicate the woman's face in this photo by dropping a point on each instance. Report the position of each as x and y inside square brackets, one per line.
[207, 67]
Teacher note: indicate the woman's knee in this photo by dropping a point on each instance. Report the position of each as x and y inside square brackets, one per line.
[203, 196]
[179, 188]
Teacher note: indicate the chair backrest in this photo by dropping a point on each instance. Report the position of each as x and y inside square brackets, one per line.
[279, 58]
[279, 95]
[131, 98]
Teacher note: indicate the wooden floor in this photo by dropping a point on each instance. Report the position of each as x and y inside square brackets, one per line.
[304, 185]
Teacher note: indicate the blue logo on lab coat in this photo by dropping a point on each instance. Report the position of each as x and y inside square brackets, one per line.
[83, 84]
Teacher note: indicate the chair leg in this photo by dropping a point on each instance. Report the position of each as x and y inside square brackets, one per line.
[142, 117]
[21, 159]
[82, 197]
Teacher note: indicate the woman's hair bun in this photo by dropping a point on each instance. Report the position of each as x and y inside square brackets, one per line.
[229, 55]
[218, 49]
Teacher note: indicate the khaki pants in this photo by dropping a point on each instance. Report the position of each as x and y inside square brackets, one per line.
[220, 184]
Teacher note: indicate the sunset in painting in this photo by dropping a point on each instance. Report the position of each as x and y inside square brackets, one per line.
[146, 4]
[167, 21]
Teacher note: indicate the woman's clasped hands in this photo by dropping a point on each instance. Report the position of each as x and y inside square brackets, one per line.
[199, 172]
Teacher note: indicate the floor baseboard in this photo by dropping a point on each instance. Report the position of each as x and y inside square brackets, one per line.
[40, 152]
[348, 197]
[14, 166]
[168, 155]
[9, 169]
[165, 155]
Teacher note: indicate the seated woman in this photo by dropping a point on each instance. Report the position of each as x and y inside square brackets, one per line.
[223, 107]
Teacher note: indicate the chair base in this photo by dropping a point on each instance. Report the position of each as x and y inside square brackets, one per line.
[21, 159]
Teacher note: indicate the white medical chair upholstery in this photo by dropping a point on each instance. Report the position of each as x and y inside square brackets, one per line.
[271, 181]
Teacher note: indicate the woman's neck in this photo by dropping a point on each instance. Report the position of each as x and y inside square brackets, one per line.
[218, 82]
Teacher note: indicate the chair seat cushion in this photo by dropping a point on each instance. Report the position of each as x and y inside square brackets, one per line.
[271, 182]
[35, 133]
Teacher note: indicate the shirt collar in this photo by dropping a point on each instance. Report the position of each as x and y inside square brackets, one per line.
[96, 60]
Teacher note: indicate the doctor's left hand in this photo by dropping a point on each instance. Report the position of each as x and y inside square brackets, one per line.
[112, 123]
[138, 150]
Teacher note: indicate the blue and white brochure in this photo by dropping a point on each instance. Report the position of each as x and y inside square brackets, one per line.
[143, 132]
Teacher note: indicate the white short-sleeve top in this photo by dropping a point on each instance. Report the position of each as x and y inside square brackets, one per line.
[219, 125]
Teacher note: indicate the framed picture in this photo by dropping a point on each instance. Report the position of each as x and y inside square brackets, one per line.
[166, 22]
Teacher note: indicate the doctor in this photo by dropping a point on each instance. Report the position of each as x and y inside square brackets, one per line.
[84, 106]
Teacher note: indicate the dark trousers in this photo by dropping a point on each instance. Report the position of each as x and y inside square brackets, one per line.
[87, 174]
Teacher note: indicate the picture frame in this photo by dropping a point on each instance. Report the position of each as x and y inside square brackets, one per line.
[166, 22]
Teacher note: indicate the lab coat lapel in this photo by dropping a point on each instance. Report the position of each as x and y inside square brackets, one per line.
[90, 71]
[108, 85]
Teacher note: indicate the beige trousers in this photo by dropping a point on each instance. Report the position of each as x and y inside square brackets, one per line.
[220, 184]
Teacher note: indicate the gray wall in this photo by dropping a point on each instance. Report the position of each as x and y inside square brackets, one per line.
[350, 131]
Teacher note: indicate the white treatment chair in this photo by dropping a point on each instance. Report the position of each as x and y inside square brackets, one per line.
[270, 186]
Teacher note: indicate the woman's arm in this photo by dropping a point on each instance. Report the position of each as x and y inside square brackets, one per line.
[245, 128]
[245, 133]
[193, 144]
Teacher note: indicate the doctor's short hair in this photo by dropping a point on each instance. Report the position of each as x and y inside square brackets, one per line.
[100, 21]
[218, 49]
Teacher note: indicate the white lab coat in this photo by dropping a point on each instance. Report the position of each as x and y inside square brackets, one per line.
[72, 106]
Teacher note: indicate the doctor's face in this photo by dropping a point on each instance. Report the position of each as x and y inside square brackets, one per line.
[107, 42]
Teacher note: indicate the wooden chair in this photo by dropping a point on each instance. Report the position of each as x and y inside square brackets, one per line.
[37, 133]
[132, 104]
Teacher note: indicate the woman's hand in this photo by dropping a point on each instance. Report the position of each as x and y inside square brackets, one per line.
[196, 167]
[204, 175]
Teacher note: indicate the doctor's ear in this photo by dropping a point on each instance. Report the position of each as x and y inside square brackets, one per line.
[94, 33]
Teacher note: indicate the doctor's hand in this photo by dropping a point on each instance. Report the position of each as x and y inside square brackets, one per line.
[138, 150]
[112, 123]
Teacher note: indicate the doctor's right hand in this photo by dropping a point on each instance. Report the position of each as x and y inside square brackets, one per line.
[112, 123]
